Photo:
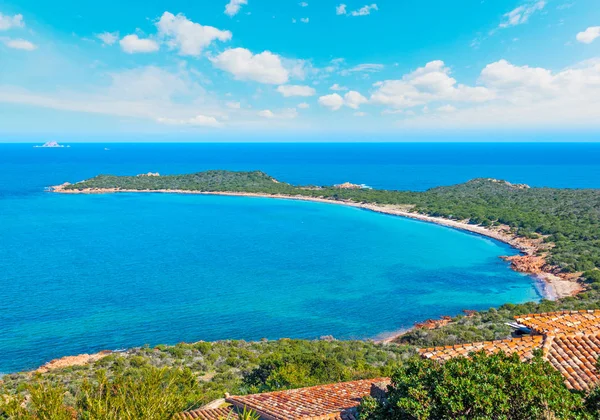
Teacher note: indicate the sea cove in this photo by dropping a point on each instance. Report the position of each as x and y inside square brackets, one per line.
[189, 268]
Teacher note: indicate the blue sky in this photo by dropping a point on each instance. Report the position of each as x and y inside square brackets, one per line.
[224, 67]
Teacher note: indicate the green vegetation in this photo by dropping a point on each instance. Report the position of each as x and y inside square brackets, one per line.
[569, 219]
[482, 387]
[170, 379]
[202, 181]
[146, 393]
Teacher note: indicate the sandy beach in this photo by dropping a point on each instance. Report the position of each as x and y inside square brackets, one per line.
[553, 286]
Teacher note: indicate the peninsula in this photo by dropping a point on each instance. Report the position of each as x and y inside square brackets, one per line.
[556, 230]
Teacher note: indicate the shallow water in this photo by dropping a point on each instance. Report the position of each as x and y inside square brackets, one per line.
[84, 273]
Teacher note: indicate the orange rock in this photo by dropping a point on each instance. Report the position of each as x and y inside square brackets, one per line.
[527, 263]
[432, 324]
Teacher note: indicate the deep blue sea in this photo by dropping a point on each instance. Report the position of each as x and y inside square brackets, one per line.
[84, 273]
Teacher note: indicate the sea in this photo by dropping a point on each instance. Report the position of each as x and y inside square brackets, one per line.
[83, 273]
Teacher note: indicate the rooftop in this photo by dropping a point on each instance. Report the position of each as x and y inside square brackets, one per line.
[569, 340]
[334, 401]
[524, 346]
[563, 322]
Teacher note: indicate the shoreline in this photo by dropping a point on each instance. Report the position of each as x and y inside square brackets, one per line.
[554, 286]
[549, 285]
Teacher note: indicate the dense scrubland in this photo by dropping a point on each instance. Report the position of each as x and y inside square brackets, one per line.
[155, 383]
[186, 376]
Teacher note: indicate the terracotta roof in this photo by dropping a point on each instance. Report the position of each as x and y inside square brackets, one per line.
[206, 414]
[575, 357]
[562, 322]
[570, 341]
[523, 346]
[334, 401]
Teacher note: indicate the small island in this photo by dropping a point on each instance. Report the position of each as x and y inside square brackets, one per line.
[50, 144]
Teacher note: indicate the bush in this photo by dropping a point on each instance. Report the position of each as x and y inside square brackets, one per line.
[482, 387]
[148, 393]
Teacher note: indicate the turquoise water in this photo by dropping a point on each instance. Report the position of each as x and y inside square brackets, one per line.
[85, 273]
[91, 272]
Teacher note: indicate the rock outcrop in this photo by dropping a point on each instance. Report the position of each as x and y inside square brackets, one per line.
[432, 324]
[529, 264]
[80, 360]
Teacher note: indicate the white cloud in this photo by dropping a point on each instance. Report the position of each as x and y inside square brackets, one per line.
[19, 44]
[296, 90]
[147, 93]
[365, 10]
[198, 120]
[522, 13]
[233, 7]
[354, 99]
[363, 68]
[108, 38]
[446, 108]
[303, 105]
[132, 44]
[267, 113]
[303, 4]
[526, 96]
[265, 67]
[360, 114]
[288, 113]
[297, 68]
[392, 111]
[337, 87]
[589, 35]
[188, 37]
[234, 105]
[427, 84]
[517, 82]
[333, 101]
[304, 20]
[9, 22]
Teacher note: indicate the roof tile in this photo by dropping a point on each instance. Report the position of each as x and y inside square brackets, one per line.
[333, 401]
[523, 346]
[575, 357]
[206, 414]
[562, 321]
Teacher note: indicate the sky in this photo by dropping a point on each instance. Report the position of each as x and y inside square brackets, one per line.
[272, 67]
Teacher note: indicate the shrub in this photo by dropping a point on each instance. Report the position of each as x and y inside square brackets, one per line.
[148, 393]
[482, 387]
